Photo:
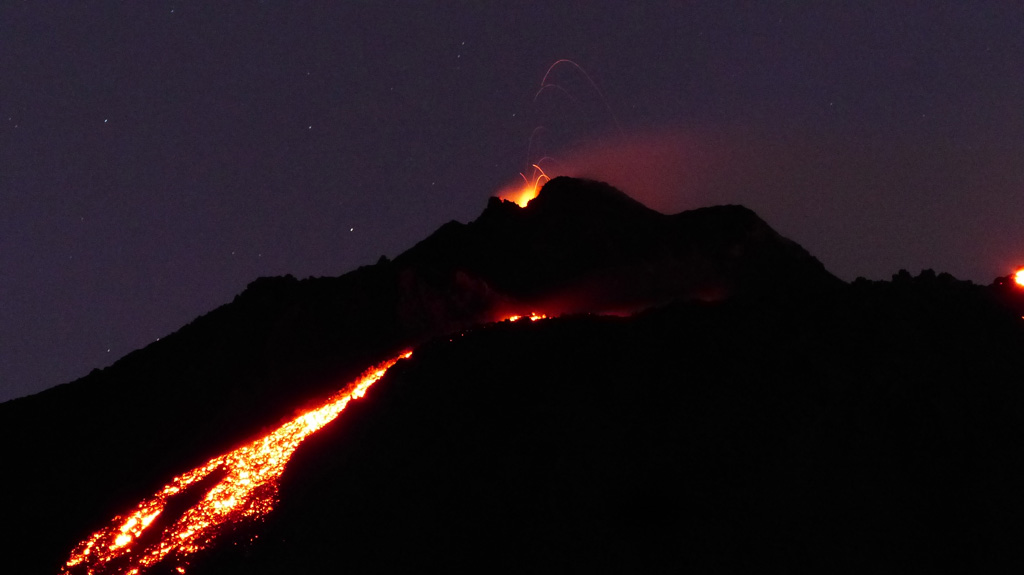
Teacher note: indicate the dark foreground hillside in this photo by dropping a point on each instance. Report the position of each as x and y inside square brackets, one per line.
[877, 429]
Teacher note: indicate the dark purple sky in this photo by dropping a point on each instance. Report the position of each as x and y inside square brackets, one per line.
[155, 157]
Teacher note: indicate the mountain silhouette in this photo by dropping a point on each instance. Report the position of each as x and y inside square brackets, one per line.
[741, 408]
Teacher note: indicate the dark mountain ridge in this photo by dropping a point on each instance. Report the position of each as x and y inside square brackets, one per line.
[86, 450]
[585, 246]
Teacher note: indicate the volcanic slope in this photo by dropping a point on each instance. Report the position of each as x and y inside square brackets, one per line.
[753, 302]
[876, 429]
[86, 450]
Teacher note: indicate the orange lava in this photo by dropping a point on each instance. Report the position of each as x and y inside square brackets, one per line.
[531, 317]
[247, 491]
[1019, 277]
[531, 187]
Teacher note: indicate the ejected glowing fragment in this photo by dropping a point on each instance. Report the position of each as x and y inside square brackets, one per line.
[247, 491]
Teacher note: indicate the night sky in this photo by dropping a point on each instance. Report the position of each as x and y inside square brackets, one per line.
[156, 157]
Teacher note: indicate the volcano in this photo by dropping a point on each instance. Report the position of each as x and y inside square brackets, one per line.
[705, 395]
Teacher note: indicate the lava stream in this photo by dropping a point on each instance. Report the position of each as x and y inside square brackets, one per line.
[247, 491]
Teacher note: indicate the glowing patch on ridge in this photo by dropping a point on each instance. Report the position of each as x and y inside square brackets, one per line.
[531, 187]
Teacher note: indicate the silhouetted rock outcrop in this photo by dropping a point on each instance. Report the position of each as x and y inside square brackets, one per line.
[585, 246]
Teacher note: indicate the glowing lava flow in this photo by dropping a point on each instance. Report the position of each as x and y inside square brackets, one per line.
[1019, 277]
[531, 317]
[247, 491]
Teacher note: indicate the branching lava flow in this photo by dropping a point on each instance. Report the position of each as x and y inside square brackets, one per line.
[247, 491]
